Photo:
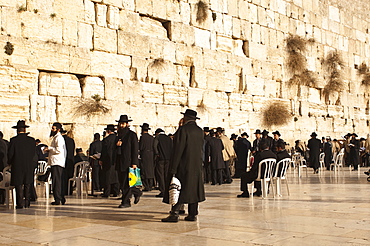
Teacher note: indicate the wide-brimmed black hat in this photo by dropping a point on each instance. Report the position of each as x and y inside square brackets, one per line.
[191, 114]
[258, 131]
[233, 136]
[354, 134]
[79, 150]
[313, 134]
[265, 132]
[244, 134]
[63, 130]
[110, 127]
[20, 124]
[277, 133]
[158, 130]
[145, 126]
[123, 118]
[206, 129]
[220, 129]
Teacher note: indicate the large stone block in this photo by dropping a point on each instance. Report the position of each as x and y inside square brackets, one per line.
[133, 44]
[129, 92]
[105, 39]
[182, 77]
[89, 7]
[255, 86]
[182, 33]
[101, 14]
[185, 12]
[175, 95]
[128, 4]
[92, 86]
[161, 71]
[79, 61]
[111, 65]
[246, 102]
[85, 35]
[115, 3]
[63, 9]
[144, 7]
[169, 115]
[195, 98]
[43, 108]
[18, 80]
[225, 44]
[151, 27]
[128, 21]
[113, 17]
[70, 30]
[314, 95]
[202, 38]
[59, 84]
[153, 93]
[159, 9]
[14, 107]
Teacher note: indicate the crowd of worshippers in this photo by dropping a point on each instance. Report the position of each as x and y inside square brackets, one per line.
[224, 159]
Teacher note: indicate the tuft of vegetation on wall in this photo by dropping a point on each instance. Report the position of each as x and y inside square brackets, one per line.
[202, 11]
[91, 107]
[276, 114]
[333, 64]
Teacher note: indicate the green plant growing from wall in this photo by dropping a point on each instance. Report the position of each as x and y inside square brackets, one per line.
[202, 11]
[89, 107]
[276, 114]
[333, 64]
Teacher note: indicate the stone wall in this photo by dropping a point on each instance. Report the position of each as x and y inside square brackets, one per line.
[152, 59]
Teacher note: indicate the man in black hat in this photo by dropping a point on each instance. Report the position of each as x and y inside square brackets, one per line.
[328, 151]
[23, 160]
[80, 156]
[276, 140]
[162, 150]
[228, 154]
[214, 149]
[126, 156]
[186, 165]
[146, 157]
[94, 156]
[108, 163]
[70, 162]
[206, 163]
[3, 162]
[314, 145]
[256, 142]
[354, 153]
[243, 146]
[265, 135]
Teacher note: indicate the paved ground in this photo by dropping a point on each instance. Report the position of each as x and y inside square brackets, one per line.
[322, 209]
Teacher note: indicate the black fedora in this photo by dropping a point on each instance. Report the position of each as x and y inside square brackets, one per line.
[123, 118]
[244, 134]
[110, 127]
[20, 124]
[354, 134]
[313, 134]
[63, 130]
[191, 114]
[258, 131]
[158, 130]
[265, 132]
[206, 129]
[220, 129]
[277, 133]
[145, 126]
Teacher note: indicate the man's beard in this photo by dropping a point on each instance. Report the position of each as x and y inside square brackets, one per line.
[52, 133]
[122, 131]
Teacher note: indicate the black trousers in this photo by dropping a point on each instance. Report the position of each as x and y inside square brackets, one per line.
[227, 174]
[23, 195]
[192, 208]
[161, 171]
[147, 183]
[111, 189]
[216, 176]
[125, 187]
[96, 176]
[56, 176]
[207, 173]
[247, 178]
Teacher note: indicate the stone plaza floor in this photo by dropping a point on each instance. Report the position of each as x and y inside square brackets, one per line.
[322, 209]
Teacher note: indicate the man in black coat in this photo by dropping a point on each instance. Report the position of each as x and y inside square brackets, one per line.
[95, 153]
[127, 146]
[70, 162]
[162, 150]
[214, 147]
[314, 145]
[186, 165]
[207, 175]
[146, 157]
[277, 139]
[249, 177]
[281, 154]
[108, 162]
[354, 151]
[23, 160]
[328, 151]
[242, 148]
[255, 147]
[3, 164]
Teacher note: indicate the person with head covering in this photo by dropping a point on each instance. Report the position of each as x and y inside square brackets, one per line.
[314, 146]
[277, 139]
[214, 148]
[146, 151]
[265, 135]
[186, 166]
[255, 147]
[23, 160]
[127, 146]
[367, 150]
[70, 162]
[57, 160]
[108, 163]
[94, 156]
[328, 151]
[354, 153]
[3, 163]
[242, 148]
[228, 154]
[207, 174]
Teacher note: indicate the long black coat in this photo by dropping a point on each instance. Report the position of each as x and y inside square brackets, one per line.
[242, 148]
[3, 154]
[186, 163]
[94, 148]
[354, 152]
[328, 153]
[23, 159]
[127, 153]
[314, 145]
[147, 156]
[70, 162]
[214, 147]
[108, 158]
[264, 154]
[163, 147]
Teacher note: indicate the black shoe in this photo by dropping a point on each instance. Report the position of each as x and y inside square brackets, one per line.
[55, 203]
[367, 173]
[191, 218]
[159, 195]
[181, 212]
[228, 181]
[124, 205]
[104, 196]
[213, 184]
[171, 218]
[244, 194]
[257, 193]
[19, 207]
[63, 201]
[137, 199]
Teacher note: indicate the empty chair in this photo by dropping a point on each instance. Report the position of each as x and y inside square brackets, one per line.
[322, 162]
[42, 176]
[79, 177]
[338, 162]
[5, 185]
[265, 170]
[296, 158]
[280, 174]
[302, 164]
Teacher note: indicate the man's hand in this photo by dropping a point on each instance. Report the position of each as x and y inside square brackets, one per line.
[134, 166]
[100, 163]
[46, 149]
[119, 142]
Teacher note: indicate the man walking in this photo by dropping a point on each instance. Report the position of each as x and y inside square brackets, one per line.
[146, 157]
[314, 145]
[186, 165]
[23, 160]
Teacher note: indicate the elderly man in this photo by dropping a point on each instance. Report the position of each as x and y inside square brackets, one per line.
[23, 159]
[186, 165]
[57, 160]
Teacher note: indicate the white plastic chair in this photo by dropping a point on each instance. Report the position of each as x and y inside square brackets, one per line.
[321, 161]
[41, 170]
[338, 162]
[296, 158]
[302, 164]
[5, 185]
[266, 176]
[280, 174]
[79, 177]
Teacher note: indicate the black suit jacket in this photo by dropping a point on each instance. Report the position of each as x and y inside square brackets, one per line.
[260, 156]
[70, 161]
[127, 153]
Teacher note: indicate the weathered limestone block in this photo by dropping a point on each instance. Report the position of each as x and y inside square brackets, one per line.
[175, 95]
[245, 27]
[101, 37]
[314, 95]
[89, 8]
[238, 48]
[185, 12]
[259, 103]
[153, 93]
[205, 22]
[133, 44]
[184, 55]
[128, 4]
[79, 61]
[236, 28]
[111, 65]
[69, 9]
[144, 7]
[161, 72]
[234, 100]
[18, 80]
[222, 100]
[210, 99]
[70, 32]
[168, 115]
[85, 35]
[306, 124]
[139, 69]
[334, 13]
[255, 86]
[115, 3]
[126, 91]
[257, 51]
[215, 80]
[92, 86]
[153, 28]
[101, 14]
[224, 44]
[202, 38]
[150, 116]
[246, 102]
[159, 9]
[271, 89]
[42, 108]
[317, 110]
[195, 99]
[181, 33]
[113, 17]
[43, 7]
[169, 51]
[200, 78]
[227, 22]
[59, 84]
[218, 5]
[182, 76]
[218, 118]
[129, 21]
[14, 107]
[67, 110]
[282, 5]
[173, 11]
